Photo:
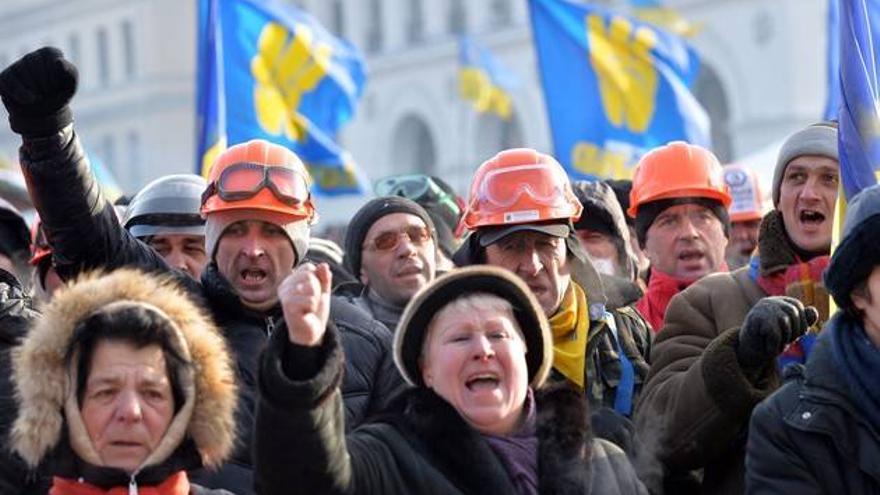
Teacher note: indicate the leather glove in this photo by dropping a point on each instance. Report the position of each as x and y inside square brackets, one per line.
[769, 326]
[36, 91]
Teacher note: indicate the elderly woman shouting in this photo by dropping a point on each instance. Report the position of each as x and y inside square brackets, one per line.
[123, 385]
[477, 348]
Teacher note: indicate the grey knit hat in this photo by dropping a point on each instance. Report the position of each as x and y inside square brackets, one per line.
[816, 139]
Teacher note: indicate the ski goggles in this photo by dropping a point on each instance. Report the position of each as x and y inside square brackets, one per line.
[387, 241]
[245, 180]
[544, 184]
[421, 189]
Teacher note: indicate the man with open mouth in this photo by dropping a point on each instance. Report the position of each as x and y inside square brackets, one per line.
[717, 356]
[679, 201]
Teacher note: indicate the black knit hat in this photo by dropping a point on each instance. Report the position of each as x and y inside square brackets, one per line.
[368, 215]
[648, 212]
[859, 250]
[621, 189]
[482, 279]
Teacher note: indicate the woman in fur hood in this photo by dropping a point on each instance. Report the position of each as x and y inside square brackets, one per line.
[477, 347]
[123, 385]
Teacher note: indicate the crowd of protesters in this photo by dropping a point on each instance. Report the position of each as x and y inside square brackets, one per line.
[664, 335]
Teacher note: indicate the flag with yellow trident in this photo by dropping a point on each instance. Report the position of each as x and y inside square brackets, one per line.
[614, 87]
[271, 71]
[483, 81]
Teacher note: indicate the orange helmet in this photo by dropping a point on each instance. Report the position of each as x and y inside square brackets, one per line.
[748, 195]
[40, 247]
[677, 170]
[520, 185]
[259, 175]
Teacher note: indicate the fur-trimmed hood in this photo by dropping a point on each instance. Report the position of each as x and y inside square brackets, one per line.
[46, 386]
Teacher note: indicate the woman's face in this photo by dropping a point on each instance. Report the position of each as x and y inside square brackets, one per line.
[475, 359]
[127, 405]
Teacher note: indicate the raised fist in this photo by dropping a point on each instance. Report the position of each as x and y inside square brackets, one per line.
[36, 91]
[305, 300]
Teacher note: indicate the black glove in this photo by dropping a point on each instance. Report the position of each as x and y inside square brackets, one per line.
[36, 91]
[771, 324]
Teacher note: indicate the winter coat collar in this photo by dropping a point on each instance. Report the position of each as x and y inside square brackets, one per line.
[176, 484]
[438, 432]
[45, 384]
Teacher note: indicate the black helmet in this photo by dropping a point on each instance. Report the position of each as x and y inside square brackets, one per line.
[168, 205]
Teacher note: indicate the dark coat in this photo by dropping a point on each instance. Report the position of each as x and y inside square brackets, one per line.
[84, 232]
[421, 446]
[16, 315]
[810, 438]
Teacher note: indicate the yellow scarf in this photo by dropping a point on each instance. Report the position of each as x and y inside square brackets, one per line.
[570, 326]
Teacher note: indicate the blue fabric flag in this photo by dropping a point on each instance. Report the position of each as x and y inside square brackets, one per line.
[859, 115]
[273, 72]
[483, 81]
[614, 87]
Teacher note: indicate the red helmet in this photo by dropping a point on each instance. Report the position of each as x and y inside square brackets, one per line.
[259, 175]
[520, 185]
[677, 170]
[40, 247]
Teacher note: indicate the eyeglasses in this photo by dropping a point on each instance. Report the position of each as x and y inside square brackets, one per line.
[422, 189]
[386, 241]
[544, 184]
[246, 180]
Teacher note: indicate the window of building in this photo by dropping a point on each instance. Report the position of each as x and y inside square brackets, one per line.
[501, 12]
[103, 57]
[108, 152]
[337, 11]
[415, 25]
[73, 50]
[375, 33]
[414, 150]
[457, 17]
[128, 49]
[133, 163]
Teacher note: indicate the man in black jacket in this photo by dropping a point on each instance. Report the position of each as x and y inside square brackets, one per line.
[820, 432]
[236, 286]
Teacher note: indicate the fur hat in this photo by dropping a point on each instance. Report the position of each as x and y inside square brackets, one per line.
[367, 215]
[483, 279]
[46, 385]
[816, 139]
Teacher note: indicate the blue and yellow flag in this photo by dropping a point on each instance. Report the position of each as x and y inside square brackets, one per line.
[273, 72]
[483, 81]
[859, 110]
[668, 18]
[614, 87]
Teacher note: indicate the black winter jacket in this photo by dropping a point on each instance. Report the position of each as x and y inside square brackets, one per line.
[82, 227]
[421, 446]
[16, 314]
[810, 438]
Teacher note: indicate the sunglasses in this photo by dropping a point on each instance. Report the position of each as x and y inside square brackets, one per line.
[386, 241]
[246, 180]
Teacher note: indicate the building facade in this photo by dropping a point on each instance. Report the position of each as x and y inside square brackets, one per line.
[764, 74]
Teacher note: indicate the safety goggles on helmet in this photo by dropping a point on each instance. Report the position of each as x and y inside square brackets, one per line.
[502, 188]
[420, 188]
[387, 241]
[245, 180]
